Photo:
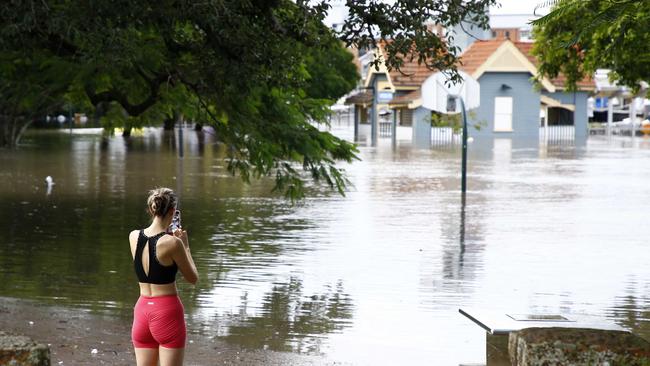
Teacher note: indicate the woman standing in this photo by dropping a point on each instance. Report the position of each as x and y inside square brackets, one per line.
[158, 331]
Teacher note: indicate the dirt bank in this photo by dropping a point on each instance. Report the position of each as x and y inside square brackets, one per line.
[72, 335]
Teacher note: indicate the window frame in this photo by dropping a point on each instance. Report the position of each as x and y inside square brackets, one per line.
[499, 114]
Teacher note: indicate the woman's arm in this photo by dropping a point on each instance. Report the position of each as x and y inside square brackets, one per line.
[183, 257]
[133, 241]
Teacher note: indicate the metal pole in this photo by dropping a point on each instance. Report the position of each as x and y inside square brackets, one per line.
[633, 116]
[462, 224]
[393, 131]
[357, 112]
[373, 120]
[610, 115]
[180, 138]
[463, 181]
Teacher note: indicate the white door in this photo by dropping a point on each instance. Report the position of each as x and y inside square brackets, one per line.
[503, 114]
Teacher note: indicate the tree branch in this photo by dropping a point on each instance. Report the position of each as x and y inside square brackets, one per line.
[117, 96]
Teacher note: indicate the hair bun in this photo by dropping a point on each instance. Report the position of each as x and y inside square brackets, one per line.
[160, 201]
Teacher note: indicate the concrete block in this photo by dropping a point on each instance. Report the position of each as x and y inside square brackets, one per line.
[576, 347]
[18, 350]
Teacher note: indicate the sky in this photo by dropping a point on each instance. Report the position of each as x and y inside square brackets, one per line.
[337, 13]
[515, 7]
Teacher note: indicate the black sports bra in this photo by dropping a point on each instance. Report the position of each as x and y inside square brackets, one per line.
[159, 274]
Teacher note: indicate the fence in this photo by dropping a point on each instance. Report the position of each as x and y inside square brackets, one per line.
[618, 129]
[385, 129]
[442, 136]
[557, 133]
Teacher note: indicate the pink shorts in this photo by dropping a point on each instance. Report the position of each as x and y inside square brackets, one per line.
[158, 321]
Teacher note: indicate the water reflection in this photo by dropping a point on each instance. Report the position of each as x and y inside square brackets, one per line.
[632, 309]
[290, 320]
[550, 228]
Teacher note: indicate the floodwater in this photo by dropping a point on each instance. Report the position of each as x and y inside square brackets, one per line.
[373, 278]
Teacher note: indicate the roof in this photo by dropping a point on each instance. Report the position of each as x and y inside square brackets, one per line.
[411, 74]
[559, 81]
[479, 52]
[406, 98]
[363, 97]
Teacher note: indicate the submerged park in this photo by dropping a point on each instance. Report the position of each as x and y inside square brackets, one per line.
[323, 198]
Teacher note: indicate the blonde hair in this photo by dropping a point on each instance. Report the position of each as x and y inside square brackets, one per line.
[160, 201]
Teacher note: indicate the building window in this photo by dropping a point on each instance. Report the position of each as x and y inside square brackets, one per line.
[494, 34]
[503, 114]
[405, 117]
[508, 34]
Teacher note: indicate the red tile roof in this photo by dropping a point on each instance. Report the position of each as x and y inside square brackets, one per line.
[406, 98]
[362, 97]
[411, 74]
[479, 51]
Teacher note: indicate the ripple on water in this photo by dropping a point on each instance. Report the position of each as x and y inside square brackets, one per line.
[373, 277]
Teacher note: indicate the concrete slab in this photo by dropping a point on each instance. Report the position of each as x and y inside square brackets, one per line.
[496, 323]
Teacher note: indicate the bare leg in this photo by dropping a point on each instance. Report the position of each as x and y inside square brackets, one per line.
[146, 356]
[171, 356]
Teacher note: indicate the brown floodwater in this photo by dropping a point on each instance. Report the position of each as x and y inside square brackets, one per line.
[375, 277]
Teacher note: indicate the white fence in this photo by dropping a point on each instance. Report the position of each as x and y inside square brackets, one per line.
[557, 133]
[441, 136]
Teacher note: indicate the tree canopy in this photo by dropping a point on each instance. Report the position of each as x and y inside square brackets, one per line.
[579, 36]
[263, 73]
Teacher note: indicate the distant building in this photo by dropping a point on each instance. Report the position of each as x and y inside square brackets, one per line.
[501, 61]
[336, 15]
[466, 33]
[511, 105]
[398, 91]
[515, 27]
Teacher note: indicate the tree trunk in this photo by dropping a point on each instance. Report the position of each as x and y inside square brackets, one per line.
[127, 131]
[12, 130]
[169, 123]
[198, 127]
[100, 111]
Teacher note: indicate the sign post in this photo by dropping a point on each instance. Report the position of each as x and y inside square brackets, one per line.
[441, 96]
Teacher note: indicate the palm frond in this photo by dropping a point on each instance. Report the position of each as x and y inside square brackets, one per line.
[559, 9]
[605, 16]
[544, 5]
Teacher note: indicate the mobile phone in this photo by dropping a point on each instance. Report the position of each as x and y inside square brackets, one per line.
[176, 222]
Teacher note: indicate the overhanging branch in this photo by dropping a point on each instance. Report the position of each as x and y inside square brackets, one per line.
[134, 110]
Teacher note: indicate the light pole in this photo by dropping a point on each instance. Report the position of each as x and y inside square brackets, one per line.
[463, 180]
[451, 107]
[436, 90]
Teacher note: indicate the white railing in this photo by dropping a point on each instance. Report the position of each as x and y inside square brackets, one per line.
[441, 136]
[557, 133]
